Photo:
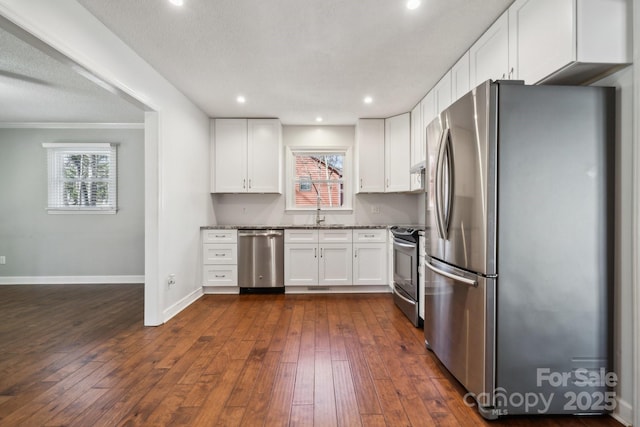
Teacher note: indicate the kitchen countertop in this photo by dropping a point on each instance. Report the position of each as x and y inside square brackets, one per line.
[299, 226]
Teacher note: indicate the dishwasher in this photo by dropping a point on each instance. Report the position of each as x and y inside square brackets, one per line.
[261, 260]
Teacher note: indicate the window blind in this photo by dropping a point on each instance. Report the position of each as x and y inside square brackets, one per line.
[82, 177]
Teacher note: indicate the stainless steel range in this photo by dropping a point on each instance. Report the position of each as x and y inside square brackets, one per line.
[405, 272]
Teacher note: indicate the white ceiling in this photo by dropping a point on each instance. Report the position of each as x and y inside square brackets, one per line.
[34, 87]
[292, 59]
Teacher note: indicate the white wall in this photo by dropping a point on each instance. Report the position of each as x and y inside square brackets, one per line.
[623, 283]
[176, 140]
[269, 209]
[40, 247]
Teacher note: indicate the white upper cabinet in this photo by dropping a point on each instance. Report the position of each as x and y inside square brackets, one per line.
[489, 56]
[264, 156]
[428, 109]
[230, 153]
[460, 78]
[370, 161]
[418, 146]
[247, 156]
[442, 93]
[397, 136]
[567, 41]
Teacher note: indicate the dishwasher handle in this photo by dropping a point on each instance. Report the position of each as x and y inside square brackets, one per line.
[265, 233]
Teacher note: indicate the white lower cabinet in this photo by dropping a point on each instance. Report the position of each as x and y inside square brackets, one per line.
[220, 260]
[369, 263]
[334, 264]
[317, 258]
[300, 264]
[370, 257]
[422, 258]
[335, 257]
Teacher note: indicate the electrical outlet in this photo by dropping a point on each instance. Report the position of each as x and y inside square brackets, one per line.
[375, 209]
[171, 280]
[3, 260]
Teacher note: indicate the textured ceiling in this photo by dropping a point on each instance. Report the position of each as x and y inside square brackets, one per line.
[34, 87]
[298, 59]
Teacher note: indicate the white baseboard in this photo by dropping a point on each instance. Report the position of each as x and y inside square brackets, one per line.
[623, 412]
[185, 302]
[357, 289]
[70, 280]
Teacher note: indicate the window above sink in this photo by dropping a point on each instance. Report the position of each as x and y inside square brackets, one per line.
[318, 178]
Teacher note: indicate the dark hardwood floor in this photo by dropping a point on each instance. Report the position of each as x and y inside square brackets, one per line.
[79, 356]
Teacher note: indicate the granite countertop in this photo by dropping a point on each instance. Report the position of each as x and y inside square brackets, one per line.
[303, 226]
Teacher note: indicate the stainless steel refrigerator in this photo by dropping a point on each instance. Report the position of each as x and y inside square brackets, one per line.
[519, 273]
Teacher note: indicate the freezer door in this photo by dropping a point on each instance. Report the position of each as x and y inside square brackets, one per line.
[459, 325]
[461, 151]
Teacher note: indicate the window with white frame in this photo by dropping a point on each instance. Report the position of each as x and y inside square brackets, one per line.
[82, 177]
[318, 178]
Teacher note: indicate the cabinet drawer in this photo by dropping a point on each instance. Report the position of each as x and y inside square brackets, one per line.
[336, 236]
[300, 236]
[219, 253]
[370, 235]
[219, 236]
[220, 275]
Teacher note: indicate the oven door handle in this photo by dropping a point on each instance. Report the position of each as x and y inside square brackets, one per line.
[455, 277]
[396, 242]
[403, 297]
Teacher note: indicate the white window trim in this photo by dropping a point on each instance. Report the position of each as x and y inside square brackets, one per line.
[80, 147]
[290, 172]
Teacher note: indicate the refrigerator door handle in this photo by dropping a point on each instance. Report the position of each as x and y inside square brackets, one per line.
[455, 277]
[448, 157]
[438, 185]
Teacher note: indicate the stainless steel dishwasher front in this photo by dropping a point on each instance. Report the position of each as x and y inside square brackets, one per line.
[261, 258]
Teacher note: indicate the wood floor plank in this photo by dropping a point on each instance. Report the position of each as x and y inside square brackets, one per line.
[79, 355]
[256, 412]
[305, 372]
[324, 404]
[345, 395]
[301, 416]
[282, 396]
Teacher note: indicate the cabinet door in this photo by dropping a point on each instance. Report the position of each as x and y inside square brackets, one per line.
[428, 107]
[489, 56]
[397, 153]
[264, 162]
[460, 78]
[442, 93]
[230, 144]
[301, 264]
[369, 264]
[417, 140]
[534, 26]
[334, 265]
[370, 156]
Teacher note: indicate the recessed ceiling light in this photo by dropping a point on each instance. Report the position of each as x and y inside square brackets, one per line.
[177, 2]
[241, 99]
[413, 4]
[318, 119]
[368, 100]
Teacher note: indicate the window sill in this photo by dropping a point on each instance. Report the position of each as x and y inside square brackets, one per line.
[84, 211]
[322, 211]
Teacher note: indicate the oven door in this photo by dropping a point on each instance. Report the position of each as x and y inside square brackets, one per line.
[405, 267]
